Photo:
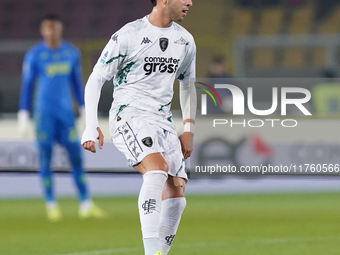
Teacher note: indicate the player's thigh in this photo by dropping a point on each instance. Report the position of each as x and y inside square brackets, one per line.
[154, 161]
[66, 133]
[45, 128]
[174, 156]
[139, 142]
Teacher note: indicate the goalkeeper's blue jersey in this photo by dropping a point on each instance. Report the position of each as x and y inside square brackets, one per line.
[54, 76]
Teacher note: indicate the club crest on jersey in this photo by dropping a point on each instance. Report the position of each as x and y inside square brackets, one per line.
[163, 43]
[147, 141]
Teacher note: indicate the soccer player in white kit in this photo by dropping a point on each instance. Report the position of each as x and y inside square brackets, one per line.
[143, 58]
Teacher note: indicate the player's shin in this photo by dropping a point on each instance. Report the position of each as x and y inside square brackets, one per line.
[45, 155]
[171, 213]
[149, 205]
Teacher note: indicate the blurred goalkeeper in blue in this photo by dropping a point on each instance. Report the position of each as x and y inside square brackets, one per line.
[52, 67]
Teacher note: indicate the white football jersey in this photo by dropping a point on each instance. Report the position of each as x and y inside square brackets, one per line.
[144, 61]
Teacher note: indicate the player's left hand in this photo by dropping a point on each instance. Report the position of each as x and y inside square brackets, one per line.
[23, 123]
[186, 140]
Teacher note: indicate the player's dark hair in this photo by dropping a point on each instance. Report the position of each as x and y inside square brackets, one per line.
[154, 2]
[51, 16]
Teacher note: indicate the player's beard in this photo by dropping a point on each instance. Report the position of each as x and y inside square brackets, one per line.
[173, 12]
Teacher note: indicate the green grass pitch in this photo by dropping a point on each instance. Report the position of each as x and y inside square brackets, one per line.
[259, 224]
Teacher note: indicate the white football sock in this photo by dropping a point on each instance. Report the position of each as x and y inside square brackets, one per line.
[51, 204]
[85, 205]
[149, 206]
[171, 213]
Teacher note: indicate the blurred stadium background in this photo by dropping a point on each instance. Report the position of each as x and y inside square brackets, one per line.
[296, 39]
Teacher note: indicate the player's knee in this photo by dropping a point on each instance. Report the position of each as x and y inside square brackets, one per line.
[45, 145]
[76, 161]
[158, 166]
[45, 154]
[175, 188]
[179, 182]
[73, 148]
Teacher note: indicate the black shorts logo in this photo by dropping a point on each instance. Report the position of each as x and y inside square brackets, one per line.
[163, 43]
[147, 141]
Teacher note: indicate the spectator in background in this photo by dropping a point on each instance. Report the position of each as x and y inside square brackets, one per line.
[218, 68]
[218, 75]
[324, 7]
[54, 66]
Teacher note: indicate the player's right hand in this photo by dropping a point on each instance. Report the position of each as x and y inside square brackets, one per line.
[91, 145]
[186, 140]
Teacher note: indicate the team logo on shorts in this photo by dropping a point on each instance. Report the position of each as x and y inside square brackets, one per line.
[163, 43]
[147, 141]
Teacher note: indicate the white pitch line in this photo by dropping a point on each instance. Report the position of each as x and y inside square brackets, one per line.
[267, 241]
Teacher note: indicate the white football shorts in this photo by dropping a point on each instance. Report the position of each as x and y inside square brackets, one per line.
[136, 138]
